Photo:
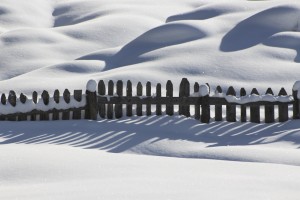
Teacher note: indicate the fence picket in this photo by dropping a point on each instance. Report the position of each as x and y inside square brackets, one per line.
[184, 91]
[269, 109]
[3, 102]
[283, 108]
[243, 107]
[205, 108]
[197, 106]
[158, 94]
[129, 94]
[78, 98]
[231, 109]
[45, 97]
[139, 93]
[148, 94]
[101, 92]
[169, 93]
[296, 107]
[118, 107]
[110, 108]
[23, 99]
[67, 97]
[218, 107]
[34, 100]
[56, 96]
[12, 99]
[254, 109]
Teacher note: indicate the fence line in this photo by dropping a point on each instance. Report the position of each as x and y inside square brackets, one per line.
[108, 102]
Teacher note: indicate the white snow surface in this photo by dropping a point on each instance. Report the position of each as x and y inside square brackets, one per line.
[59, 44]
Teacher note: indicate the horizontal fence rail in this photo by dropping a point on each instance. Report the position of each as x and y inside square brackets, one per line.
[116, 99]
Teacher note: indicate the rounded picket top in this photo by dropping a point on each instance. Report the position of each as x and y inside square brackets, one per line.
[254, 91]
[231, 91]
[196, 87]
[243, 92]
[129, 88]
[34, 97]
[45, 97]
[56, 96]
[218, 90]
[270, 91]
[12, 98]
[66, 96]
[169, 88]
[282, 92]
[23, 98]
[3, 99]
[139, 89]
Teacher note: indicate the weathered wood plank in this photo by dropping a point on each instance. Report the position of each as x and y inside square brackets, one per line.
[67, 98]
[118, 107]
[129, 94]
[101, 92]
[231, 108]
[197, 106]
[34, 99]
[45, 98]
[158, 94]
[243, 107]
[169, 93]
[184, 91]
[22, 116]
[148, 94]
[56, 97]
[254, 109]
[283, 109]
[78, 98]
[269, 109]
[296, 108]
[218, 107]
[139, 93]
[3, 102]
[110, 108]
[12, 99]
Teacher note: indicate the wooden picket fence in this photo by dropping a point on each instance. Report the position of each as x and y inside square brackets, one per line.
[110, 102]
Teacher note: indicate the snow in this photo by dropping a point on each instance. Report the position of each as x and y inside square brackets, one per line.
[59, 44]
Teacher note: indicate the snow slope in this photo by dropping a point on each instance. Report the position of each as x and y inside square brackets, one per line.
[58, 44]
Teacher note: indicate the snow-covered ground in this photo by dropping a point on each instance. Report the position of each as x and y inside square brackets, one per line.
[58, 44]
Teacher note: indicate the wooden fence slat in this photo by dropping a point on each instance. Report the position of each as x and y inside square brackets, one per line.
[158, 94]
[23, 99]
[129, 94]
[12, 99]
[296, 107]
[78, 98]
[45, 97]
[197, 106]
[110, 108]
[218, 107]
[231, 109]
[269, 109]
[118, 107]
[254, 109]
[169, 93]
[102, 91]
[184, 91]
[34, 100]
[148, 94]
[205, 108]
[3, 102]
[67, 98]
[283, 109]
[139, 93]
[56, 97]
[243, 107]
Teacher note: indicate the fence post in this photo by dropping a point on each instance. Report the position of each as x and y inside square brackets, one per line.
[197, 106]
[118, 106]
[296, 105]
[91, 100]
[129, 94]
[269, 109]
[205, 107]
[170, 106]
[12, 99]
[139, 93]
[283, 108]
[254, 109]
[23, 99]
[101, 91]
[231, 109]
[77, 97]
[243, 107]
[158, 94]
